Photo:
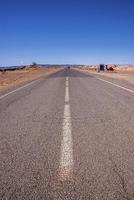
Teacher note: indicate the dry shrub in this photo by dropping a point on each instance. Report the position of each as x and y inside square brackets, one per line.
[92, 67]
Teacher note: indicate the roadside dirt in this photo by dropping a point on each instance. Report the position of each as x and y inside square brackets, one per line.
[12, 78]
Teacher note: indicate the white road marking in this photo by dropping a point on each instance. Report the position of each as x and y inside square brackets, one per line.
[66, 161]
[67, 84]
[67, 94]
[13, 91]
[124, 88]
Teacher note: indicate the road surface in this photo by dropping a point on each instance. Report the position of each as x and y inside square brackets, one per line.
[69, 136]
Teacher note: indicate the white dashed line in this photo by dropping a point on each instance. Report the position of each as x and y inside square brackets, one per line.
[124, 88]
[66, 161]
[67, 83]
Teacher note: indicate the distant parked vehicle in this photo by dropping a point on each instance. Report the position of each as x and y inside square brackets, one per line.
[101, 67]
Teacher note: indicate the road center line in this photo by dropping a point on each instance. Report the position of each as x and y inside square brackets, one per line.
[124, 88]
[66, 160]
[67, 84]
[67, 95]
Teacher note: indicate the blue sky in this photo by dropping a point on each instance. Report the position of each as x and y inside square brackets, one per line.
[66, 31]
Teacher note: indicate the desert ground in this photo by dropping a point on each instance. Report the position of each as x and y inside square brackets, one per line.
[11, 78]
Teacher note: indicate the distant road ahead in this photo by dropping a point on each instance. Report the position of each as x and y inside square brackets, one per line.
[66, 137]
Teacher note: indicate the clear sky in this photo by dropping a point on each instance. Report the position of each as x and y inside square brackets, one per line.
[66, 31]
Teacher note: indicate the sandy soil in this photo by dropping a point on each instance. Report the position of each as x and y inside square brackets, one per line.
[12, 78]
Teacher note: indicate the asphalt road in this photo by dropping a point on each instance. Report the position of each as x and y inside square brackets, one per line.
[69, 136]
